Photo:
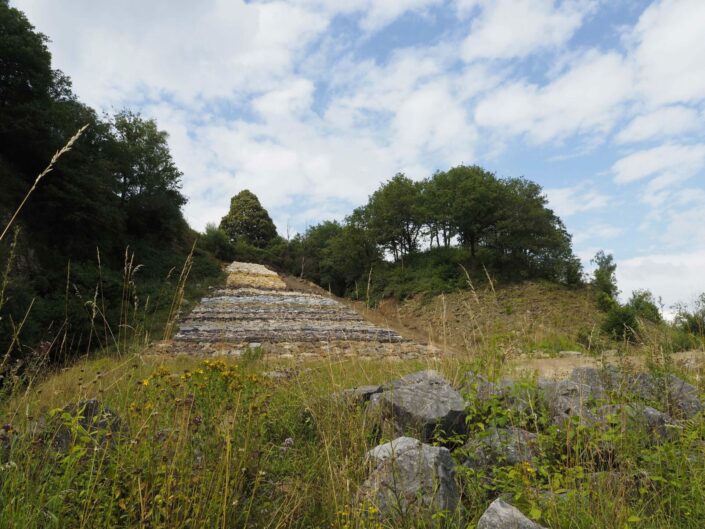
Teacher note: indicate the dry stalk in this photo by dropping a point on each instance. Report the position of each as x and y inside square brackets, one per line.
[66, 148]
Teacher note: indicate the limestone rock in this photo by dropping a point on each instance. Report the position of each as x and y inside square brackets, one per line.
[501, 515]
[683, 397]
[96, 419]
[478, 386]
[411, 477]
[566, 399]
[500, 446]
[637, 417]
[359, 394]
[600, 381]
[422, 402]
[393, 448]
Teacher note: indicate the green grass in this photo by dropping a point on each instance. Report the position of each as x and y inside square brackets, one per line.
[207, 447]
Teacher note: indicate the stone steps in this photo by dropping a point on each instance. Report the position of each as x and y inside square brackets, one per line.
[257, 307]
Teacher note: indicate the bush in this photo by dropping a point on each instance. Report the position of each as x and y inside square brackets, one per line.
[217, 242]
[644, 305]
[605, 302]
[693, 321]
[621, 323]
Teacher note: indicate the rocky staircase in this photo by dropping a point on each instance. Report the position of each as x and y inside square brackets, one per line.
[257, 308]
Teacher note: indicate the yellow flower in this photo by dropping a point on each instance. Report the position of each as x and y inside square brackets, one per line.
[145, 382]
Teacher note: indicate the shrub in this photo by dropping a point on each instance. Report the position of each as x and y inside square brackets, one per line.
[692, 321]
[644, 305]
[621, 323]
[217, 242]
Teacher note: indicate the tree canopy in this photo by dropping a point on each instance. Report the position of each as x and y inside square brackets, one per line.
[118, 187]
[463, 218]
[247, 220]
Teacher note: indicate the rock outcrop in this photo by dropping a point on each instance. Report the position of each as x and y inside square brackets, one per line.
[423, 403]
[411, 477]
[500, 446]
[501, 515]
[256, 306]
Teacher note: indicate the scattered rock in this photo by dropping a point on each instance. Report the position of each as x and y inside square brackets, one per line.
[683, 397]
[393, 448]
[411, 477]
[280, 374]
[97, 420]
[359, 395]
[480, 387]
[421, 402]
[565, 399]
[600, 381]
[638, 417]
[501, 515]
[500, 446]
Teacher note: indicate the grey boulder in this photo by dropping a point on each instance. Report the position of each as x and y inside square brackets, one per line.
[411, 478]
[421, 402]
[637, 417]
[359, 394]
[501, 515]
[500, 446]
[565, 399]
[393, 448]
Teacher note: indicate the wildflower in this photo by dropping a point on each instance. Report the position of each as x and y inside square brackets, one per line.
[288, 443]
[145, 382]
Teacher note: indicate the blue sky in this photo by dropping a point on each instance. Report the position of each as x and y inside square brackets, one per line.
[312, 103]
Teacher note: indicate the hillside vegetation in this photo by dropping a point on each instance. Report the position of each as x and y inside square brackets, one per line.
[102, 426]
[108, 212]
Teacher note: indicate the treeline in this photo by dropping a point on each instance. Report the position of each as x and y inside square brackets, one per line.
[424, 235]
[115, 197]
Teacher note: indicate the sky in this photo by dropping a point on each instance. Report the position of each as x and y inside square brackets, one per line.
[311, 104]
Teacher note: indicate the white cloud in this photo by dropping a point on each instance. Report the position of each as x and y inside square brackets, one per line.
[431, 119]
[587, 98]
[567, 201]
[380, 13]
[132, 50]
[661, 123]
[668, 163]
[676, 277]
[686, 227]
[597, 231]
[668, 50]
[295, 98]
[506, 29]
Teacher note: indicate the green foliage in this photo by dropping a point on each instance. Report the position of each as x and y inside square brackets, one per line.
[117, 188]
[248, 221]
[394, 215]
[433, 272]
[605, 302]
[644, 305]
[621, 323]
[216, 241]
[692, 321]
[604, 279]
[415, 237]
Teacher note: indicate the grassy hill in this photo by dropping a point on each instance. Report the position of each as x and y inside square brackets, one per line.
[518, 318]
[259, 441]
